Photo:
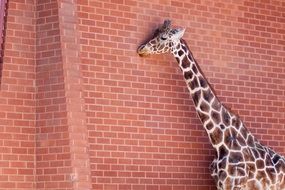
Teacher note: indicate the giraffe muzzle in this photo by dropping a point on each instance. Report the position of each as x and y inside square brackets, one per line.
[142, 51]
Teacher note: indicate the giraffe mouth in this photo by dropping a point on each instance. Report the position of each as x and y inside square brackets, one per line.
[143, 51]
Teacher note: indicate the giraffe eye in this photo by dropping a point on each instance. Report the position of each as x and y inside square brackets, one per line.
[163, 38]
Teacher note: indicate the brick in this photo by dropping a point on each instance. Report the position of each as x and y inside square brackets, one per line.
[72, 81]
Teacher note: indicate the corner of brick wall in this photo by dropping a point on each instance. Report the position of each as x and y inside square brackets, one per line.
[17, 99]
[62, 148]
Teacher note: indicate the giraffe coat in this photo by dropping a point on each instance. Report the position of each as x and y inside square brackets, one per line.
[242, 162]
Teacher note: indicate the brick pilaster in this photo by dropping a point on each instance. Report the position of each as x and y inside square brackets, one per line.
[76, 116]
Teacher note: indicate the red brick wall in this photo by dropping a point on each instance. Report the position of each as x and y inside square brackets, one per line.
[81, 110]
[143, 130]
[17, 99]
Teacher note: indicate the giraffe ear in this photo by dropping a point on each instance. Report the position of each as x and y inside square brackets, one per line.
[178, 32]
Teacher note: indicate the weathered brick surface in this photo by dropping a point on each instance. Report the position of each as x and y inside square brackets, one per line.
[81, 110]
[143, 130]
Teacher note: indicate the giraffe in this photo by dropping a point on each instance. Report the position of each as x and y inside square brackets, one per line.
[241, 161]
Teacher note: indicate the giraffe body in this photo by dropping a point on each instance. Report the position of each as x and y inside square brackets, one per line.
[242, 163]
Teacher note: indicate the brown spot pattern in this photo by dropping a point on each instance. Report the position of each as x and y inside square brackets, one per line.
[209, 125]
[202, 82]
[180, 53]
[215, 117]
[196, 97]
[194, 69]
[216, 105]
[235, 157]
[223, 152]
[188, 75]
[185, 62]
[260, 164]
[204, 106]
[208, 96]
[226, 117]
[216, 136]
[194, 83]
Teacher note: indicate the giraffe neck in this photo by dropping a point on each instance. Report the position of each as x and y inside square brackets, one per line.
[239, 154]
[211, 112]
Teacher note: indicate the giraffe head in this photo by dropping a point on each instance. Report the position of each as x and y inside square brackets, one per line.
[163, 40]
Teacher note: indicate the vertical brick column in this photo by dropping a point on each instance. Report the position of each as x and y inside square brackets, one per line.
[17, 103]
[62, 157]
[53, 165]
[76, 116]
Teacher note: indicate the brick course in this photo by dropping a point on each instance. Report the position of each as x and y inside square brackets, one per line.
[81, 110]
